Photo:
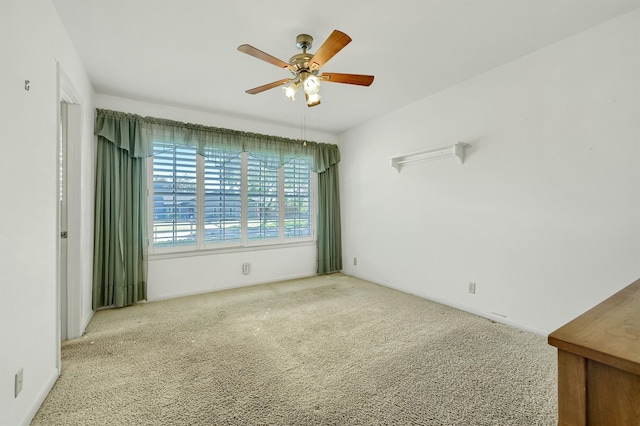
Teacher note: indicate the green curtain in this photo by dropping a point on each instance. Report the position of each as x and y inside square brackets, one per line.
[125, 140]
[329, 226]
[137, 135]
[120, 237]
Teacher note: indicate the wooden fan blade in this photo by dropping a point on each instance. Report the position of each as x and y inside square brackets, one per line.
[267, 86]
[332, 45]
[257, 53]
[359, 79]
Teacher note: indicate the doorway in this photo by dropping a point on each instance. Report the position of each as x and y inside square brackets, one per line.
[63, 255]
[69, 188]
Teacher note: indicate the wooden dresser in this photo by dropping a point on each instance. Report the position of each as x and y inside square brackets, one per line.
[599, 363]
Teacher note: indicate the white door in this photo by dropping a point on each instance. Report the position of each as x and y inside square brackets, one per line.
[62, 190]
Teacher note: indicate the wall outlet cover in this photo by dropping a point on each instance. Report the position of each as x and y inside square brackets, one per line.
[18, 383]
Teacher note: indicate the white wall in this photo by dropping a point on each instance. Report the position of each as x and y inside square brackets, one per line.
[545, 213]
[32, 43]
[180, 276]
[172, 276]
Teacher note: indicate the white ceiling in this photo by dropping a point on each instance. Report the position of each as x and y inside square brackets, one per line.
[184, 52]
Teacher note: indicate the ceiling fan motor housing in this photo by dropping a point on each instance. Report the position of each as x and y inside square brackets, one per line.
[301, 60]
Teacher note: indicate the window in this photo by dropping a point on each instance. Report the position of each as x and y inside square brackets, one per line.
[227, 199]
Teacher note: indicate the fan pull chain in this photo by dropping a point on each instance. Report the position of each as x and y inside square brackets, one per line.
[303, 128]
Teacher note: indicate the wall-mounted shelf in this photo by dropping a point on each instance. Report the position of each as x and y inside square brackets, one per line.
[456, 150]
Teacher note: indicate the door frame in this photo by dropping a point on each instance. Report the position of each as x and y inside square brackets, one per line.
[68, 95]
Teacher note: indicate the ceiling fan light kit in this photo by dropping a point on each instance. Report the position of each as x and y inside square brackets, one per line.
[305, 68]
[291, 90]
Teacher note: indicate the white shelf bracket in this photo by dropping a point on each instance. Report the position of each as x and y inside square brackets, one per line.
[456, 150]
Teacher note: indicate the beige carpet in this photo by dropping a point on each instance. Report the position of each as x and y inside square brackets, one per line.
[329, 350]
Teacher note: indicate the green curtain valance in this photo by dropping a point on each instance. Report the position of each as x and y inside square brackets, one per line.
[136, 134]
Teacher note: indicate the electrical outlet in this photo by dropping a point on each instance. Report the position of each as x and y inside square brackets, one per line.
[246, 268]
[355, 261]
[18, 383]
[472, 288]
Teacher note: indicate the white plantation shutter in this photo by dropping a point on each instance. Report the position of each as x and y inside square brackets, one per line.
[297, 198]
[263, 202]
[222, 196]
[227, 198]
[174, 197]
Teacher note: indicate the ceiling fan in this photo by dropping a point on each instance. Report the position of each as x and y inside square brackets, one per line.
[305, 67]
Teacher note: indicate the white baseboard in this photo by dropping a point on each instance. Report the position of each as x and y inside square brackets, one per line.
[489, 315]
[168, 296]
[35, 406]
